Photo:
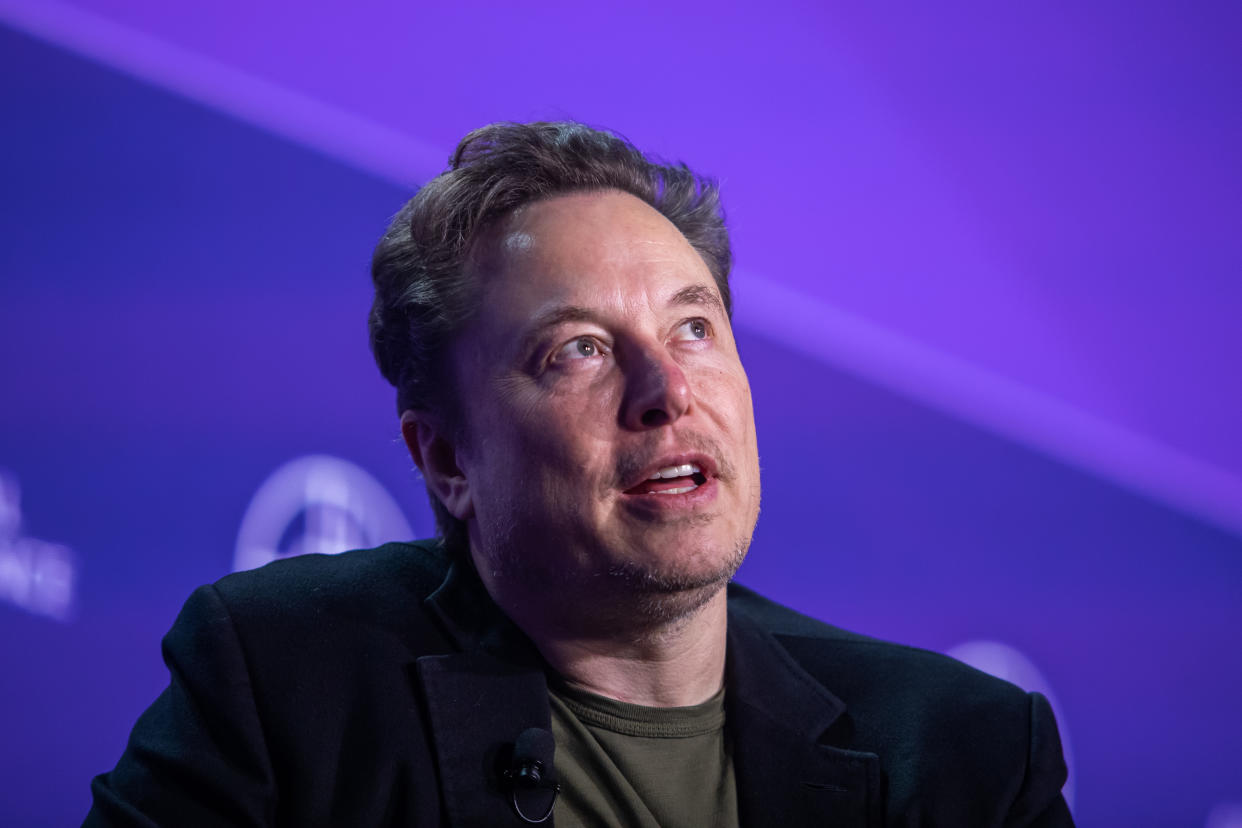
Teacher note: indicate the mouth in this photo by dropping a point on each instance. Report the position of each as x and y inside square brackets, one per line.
[673, 476]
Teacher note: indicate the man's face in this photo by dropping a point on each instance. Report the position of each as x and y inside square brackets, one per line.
[609, 436]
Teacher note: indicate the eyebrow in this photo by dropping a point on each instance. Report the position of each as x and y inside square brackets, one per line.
[697, 295]
[552, 318]
[689, 296]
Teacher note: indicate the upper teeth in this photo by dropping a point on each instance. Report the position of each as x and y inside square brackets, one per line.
[684, 470]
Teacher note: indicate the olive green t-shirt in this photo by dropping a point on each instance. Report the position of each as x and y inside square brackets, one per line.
[641, 767]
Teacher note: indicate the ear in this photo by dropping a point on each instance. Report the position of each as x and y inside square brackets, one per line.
[435, 454]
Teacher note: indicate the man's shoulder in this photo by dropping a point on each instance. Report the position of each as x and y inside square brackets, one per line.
[385, 582]
[865, 671]
[944, 732]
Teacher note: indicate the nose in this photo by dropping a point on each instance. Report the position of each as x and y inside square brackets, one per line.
[657, 393]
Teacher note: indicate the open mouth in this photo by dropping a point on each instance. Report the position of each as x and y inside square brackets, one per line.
[671, 480]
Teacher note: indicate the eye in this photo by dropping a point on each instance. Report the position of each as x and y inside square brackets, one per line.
[582, 347]
[693, 329]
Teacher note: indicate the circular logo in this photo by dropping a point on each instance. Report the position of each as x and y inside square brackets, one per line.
[1225, 815]
[316, 504]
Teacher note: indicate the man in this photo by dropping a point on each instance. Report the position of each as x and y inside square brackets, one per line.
[554, 312]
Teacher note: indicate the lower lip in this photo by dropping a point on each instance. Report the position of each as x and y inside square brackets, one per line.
[696, 498]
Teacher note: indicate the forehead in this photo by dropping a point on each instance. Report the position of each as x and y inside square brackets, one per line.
[605, 244]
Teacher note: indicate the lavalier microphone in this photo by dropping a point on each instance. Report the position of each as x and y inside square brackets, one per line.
[531, 777]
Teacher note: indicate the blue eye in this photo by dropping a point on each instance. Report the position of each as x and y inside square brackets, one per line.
[694, 329]
[584, 347]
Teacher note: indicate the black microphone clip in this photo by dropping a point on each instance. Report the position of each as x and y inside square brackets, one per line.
[531, 775]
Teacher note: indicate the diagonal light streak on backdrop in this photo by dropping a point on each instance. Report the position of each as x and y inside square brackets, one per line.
[299, 118]
[988, 400]
[847, 342]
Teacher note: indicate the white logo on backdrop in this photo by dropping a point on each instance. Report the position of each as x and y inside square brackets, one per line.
[1225, 815]
[317, 504]
[35, 575]
[1006, 663]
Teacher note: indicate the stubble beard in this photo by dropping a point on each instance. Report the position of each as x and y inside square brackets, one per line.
[631, 598]
[629, 594]
[663, 596]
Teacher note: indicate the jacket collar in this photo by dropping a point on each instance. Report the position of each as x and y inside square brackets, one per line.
[780, 719]
[480, 699]
[472, 621]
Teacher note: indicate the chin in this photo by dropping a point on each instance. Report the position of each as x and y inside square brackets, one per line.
[663, 598]
[708, 570]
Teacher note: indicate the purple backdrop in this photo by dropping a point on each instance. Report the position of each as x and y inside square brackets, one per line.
[987, 290]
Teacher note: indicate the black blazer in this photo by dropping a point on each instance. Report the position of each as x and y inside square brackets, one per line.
[379, 687]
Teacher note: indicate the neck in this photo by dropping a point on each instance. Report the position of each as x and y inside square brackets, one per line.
[681, 663]
[666, 652]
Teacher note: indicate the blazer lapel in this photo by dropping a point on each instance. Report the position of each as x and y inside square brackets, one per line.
[479, 701]
[477, 706]
[779, 718]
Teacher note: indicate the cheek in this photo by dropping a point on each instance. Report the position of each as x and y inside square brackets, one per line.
[726, 393]
[580, 418]
[566, 434]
